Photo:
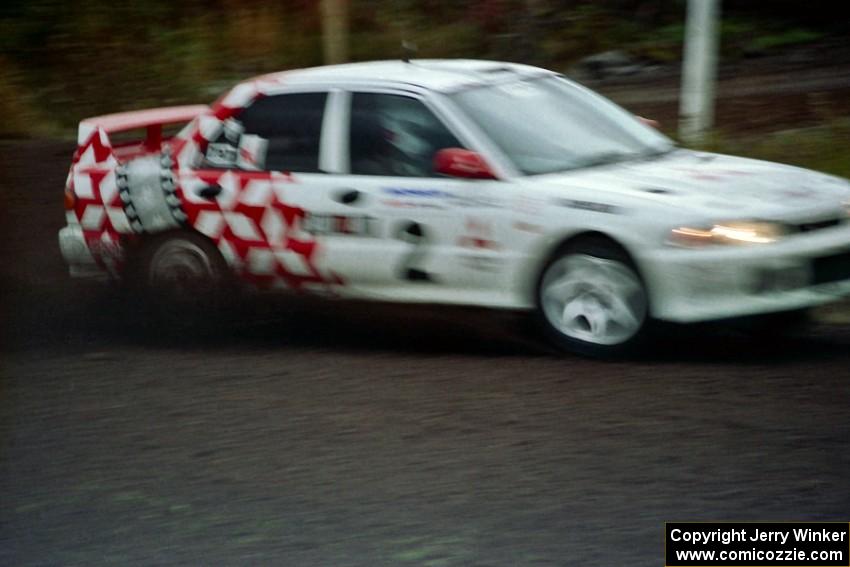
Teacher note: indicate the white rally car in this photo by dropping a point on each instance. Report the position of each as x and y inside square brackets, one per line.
[455, 182]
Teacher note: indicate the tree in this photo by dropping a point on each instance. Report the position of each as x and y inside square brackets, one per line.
[335, 30]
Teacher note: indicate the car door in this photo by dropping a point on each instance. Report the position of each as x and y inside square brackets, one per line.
[263, 194]
[441, 236]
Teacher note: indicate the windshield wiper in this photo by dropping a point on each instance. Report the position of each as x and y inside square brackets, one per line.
[608, 158]
[605, 159]
[652, 154]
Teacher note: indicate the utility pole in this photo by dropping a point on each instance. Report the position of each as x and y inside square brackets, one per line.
[335, 30]
[699, 70]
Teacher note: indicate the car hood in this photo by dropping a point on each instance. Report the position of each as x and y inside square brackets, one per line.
[710, 185]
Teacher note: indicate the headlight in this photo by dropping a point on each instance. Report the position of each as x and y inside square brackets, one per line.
[735, 232]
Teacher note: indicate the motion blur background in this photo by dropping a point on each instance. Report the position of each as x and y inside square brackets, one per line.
[61, 61]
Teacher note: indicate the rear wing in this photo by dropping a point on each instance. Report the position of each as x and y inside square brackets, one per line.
[152, 120]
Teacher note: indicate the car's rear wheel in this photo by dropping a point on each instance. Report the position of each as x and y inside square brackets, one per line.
[592, 301]
[182, 270]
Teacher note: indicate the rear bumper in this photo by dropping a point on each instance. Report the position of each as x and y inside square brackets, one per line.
[733, 281]
[81, 263]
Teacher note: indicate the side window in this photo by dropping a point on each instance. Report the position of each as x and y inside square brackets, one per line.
[275, 133]
[395, 135]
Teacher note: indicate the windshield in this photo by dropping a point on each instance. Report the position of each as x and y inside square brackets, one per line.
[549, 124]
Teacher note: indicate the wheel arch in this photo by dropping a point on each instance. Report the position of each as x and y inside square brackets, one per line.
[557, 247]
[137, 249]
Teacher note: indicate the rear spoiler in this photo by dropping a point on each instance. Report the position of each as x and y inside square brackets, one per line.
[152, 119]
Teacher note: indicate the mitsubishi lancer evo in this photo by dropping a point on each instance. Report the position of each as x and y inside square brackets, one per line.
[451, 182]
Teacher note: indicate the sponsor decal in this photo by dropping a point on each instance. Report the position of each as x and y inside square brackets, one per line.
[478, 234]
[711, 174]
[478, 243]
[530, 205]
[415, 198]
[481, 263]
[340, 225]
[405, 204]
[419, 193]
[589, 206]
[523, 226]
[221, 155]
[481, 248]
[418, 198]
[475, 201]
[801, 193]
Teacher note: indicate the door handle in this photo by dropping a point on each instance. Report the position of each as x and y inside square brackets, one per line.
[347, 196]
[209, 192]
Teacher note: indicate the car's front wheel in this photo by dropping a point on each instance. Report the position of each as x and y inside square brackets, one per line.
[592, 301]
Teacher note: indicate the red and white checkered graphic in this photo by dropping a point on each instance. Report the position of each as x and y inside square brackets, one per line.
[207, 126]
[256, 229]
[98, 207]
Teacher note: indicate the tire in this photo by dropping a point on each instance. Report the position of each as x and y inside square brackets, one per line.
[180, 274]
[592, 301]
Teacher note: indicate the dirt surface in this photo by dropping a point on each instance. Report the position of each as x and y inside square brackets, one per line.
[350, 434]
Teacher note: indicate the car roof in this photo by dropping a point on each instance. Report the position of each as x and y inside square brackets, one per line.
[434, 74]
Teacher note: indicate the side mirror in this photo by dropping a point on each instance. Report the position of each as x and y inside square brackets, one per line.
[457, 162]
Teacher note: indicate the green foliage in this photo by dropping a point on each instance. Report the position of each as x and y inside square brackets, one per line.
[786, 38]
[62, 61]
[662, 44]
[739, 37]
[458, 39]
[17, 106]
[823, 148]
[747, 36]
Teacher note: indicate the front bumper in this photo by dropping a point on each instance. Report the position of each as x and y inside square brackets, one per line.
[805, 270]
[75, 251]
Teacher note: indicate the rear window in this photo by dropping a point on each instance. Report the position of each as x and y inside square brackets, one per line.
[280, 133]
